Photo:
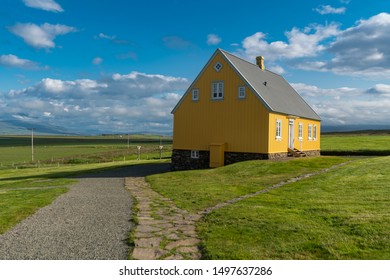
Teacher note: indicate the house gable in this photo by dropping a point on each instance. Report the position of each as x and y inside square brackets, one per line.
[222, 55]
[271, 89]
[234, 110]
[206, 120]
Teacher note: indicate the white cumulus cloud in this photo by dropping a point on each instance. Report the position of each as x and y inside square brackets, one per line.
[348, 106]
[383, 89]
[40, 37]
[360, 50]
[327, 9]
[46, 5]
[137, 102]
[300, 43]
[213, 39]
[104, 36]
[13, 61]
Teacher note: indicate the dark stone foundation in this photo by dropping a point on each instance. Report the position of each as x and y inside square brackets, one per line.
[233, 157]
[181, 159]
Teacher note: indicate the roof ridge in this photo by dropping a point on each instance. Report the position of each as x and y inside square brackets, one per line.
[236, 56]
[254, 64]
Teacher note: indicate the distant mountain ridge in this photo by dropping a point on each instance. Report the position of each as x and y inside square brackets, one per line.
[19, 127]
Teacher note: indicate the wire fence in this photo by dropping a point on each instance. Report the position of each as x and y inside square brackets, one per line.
[139, 152]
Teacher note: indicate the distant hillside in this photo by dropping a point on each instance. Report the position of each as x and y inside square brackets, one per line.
[359, 132]
[353, 128]
[18, 127]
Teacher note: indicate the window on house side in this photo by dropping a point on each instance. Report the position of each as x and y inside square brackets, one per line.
[195, 94]
[194, 154]
[310, 132]
[278, 129]
[315, 132]
[217, 90]
[241, 92]
[300, 131]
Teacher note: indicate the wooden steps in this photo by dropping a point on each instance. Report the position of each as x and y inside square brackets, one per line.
[296, 153]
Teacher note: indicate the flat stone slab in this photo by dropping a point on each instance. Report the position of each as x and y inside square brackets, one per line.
[147, 253]
[146, 228]
[182, 243]
[148, 242]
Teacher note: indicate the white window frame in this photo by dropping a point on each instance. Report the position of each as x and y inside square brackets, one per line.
[278, 132]
[310, 132]
[195, 94]
[194, 154]
[300, 131]
[217, 90]
[218, 66]
[241, 92]
[315, 132]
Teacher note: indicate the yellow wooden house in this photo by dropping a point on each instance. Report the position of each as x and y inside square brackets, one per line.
[236, 110]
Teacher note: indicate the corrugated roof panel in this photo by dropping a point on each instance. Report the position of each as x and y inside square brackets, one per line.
[274, 91]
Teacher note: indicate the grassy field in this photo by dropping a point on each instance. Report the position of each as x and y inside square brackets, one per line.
[355, 144]
[342, 214]
[55, 150]
[16, 205]
[206, 188]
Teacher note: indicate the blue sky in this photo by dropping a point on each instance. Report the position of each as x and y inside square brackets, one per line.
[121, 65]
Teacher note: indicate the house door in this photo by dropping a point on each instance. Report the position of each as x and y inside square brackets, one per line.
[217, 154]
[291, 134]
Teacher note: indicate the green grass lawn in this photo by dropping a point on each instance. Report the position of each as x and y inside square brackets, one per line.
[16, 205]
[198, 189]
[77, 154]
[341, 144]
[343, 214]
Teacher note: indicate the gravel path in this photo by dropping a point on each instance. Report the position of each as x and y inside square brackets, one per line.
[90, 222]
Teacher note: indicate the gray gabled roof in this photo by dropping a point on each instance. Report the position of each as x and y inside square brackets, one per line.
[276, 94]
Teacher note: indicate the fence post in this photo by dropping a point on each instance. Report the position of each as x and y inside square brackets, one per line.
[139, 152]
[161, 147]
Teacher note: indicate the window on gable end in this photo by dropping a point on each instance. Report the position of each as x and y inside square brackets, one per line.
[241, 92]
[195, 94]
[217, 90]
[218, 66]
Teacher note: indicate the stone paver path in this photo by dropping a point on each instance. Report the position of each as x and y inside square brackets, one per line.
[163, 231]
